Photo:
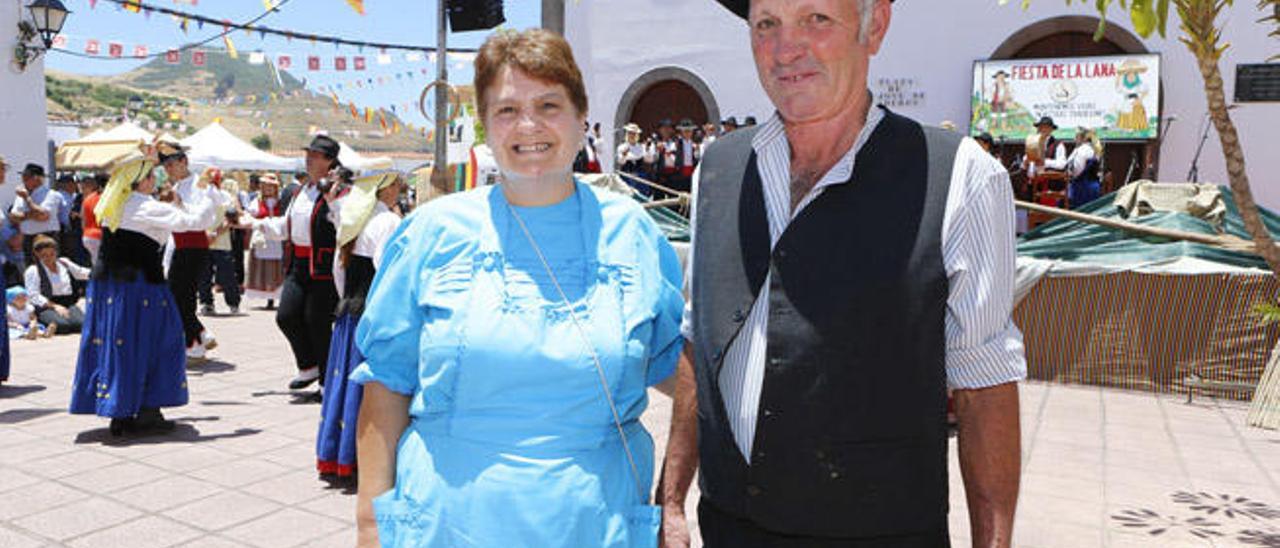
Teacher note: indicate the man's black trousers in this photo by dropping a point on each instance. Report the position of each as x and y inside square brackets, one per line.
[305, 315]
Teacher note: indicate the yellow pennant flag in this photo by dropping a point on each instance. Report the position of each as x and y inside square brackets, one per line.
[133, 5]
[269, 5]
[357, 5]
[368, 115]
[231, 47]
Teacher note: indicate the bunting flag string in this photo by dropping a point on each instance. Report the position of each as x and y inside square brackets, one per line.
[137, 6]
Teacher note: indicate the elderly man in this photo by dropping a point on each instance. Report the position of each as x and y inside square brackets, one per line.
[35, 209]
[848, 267]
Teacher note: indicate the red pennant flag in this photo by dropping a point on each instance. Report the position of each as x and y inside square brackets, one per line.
[313, 63]
[115, 49]
[173, 57]
[197, 58]
[340, 63]
[359, 62]
[92, 47]
[60, 42]
[139, 51]
[284, 62]
[354, 112]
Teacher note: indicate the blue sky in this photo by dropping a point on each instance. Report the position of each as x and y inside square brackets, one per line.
[393, 21]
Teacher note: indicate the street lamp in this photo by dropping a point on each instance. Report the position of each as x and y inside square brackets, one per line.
[47, 18]
[48, 15]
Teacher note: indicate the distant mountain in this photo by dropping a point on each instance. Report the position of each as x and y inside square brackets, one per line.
[185, 94]
[220, 77]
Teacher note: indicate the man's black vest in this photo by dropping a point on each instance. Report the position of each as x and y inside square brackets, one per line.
[851, 436]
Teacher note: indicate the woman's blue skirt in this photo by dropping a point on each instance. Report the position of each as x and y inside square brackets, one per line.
[131, 350]
[4, 356]
[336, 442]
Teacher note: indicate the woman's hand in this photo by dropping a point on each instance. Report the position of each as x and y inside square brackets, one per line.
[366, 527]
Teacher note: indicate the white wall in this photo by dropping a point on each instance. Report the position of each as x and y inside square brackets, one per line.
[617, 41]
[933, 42]
[22, 110]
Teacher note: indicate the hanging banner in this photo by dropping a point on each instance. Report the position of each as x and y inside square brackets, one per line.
[92, 47]
[115, 49]
[1117, 96]
[284, 62]
[139, 51]
[359, 63]
[172, 57]
[340, 63]
[313, 62]
[198, 58]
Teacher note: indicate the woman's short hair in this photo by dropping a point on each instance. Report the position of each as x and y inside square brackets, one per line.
[43, 242]
[539, 53]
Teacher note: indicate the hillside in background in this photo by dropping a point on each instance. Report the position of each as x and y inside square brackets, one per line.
[183, 94]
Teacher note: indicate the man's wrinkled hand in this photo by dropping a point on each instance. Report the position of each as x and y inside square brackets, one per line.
[675, 529]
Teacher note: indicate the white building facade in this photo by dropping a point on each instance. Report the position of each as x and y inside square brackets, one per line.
[642, 55]
[23, 137]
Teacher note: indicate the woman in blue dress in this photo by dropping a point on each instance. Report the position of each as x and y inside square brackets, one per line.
[132, 357]
[497, 319]
[367, 221]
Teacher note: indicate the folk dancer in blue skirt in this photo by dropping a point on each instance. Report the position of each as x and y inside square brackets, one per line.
[367, 222]
[132, 356]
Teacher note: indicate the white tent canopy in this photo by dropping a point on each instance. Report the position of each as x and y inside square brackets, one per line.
[355, 162]
[128, 131]
[214, 146]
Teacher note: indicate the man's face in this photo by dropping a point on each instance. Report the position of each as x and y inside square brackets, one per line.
[318, 164]
[666, 132]
[32, 182]
[687, 134]
[809, 57]
[176, 169]
[1044, 129]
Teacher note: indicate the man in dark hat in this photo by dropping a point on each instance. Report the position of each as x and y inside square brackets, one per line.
[728, 125]
[687, 155]
[749, 121]
[190, 259]
[308, 297]
[35, 209]
[838, 290]
[1051, 159]
[665, 150]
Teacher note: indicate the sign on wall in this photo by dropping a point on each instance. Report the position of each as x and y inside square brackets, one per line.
[1117, 96]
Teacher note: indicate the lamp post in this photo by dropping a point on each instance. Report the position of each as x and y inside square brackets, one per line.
[47, 18]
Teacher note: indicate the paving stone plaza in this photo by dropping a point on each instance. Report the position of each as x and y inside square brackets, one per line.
[1101, 467]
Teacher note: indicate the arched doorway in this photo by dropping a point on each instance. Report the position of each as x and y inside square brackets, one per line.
[667, 92]
[1072, 36]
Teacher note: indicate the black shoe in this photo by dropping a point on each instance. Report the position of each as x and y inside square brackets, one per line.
[305, 378]
[120, 426]
[151, 420]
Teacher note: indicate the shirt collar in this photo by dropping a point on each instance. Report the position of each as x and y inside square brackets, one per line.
[773, 134]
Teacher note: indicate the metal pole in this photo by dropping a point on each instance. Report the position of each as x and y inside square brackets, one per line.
[439, 174]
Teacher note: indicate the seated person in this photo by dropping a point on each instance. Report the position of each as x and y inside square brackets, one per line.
[21, 316]
[48, 282]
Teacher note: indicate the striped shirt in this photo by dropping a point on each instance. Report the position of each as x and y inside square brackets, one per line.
[984, 347]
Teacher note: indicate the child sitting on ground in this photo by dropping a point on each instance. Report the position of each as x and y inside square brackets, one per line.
[21, 316]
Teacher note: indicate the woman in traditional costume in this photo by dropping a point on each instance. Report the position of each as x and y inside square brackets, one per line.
[266, 256]
[367, 221]
[132, 357]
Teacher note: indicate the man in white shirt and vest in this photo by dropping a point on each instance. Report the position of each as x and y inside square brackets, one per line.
[308, 297]
[848, 267]
[35, 209]
[190, 250]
